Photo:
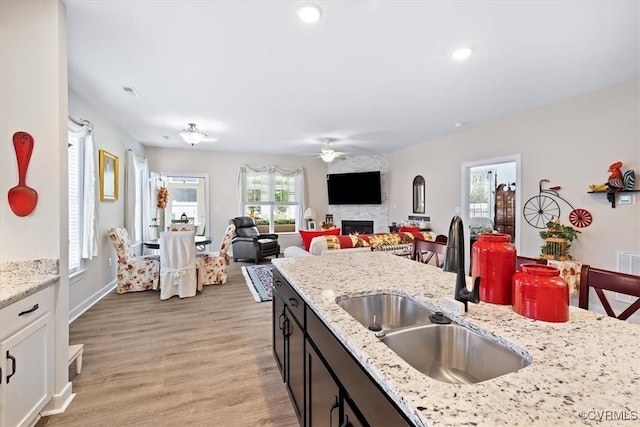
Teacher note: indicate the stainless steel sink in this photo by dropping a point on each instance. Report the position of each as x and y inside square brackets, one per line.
[453, 354]
[390, 311]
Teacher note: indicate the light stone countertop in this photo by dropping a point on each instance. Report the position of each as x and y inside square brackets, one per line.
[590, 363]
[19, 279]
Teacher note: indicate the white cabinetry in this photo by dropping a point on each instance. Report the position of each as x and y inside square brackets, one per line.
[26, 358]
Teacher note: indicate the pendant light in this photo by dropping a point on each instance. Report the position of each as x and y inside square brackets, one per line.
[192, 135]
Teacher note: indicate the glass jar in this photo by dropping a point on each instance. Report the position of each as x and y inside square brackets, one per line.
[494, 261]
[540, 293]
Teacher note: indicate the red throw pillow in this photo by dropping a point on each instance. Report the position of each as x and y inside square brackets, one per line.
[404, 229]
[308, 235]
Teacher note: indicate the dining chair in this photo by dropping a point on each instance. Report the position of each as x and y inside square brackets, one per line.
[600, 280]
[135, 273]
[212, 266]
[425, 250]
[182, 227]
[441, 238]
[527, 260]
[178, 274]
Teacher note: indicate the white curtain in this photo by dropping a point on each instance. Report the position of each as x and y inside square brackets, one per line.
[136, 210]
[84, 129]
[284, 171]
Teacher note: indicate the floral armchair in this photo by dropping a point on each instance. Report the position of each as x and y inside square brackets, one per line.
[135, 273]
[212, 266]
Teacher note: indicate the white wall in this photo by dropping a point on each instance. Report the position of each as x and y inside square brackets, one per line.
[33, 68]
[33, 98]
[223, 176]
[99, 276]
[571, 143]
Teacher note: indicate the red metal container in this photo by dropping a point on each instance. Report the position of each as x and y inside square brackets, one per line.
[540, 293]
[494, 261]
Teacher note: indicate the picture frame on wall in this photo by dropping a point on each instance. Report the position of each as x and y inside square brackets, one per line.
[109, 165]
[312, 225]
[328, 219]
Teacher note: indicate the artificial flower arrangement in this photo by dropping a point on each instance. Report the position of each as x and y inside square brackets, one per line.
[163, 196]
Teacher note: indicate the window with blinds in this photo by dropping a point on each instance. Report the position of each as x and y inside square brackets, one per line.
[272, 201]
[75, 203]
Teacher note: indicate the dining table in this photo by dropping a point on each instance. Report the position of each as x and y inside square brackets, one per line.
[199, 241]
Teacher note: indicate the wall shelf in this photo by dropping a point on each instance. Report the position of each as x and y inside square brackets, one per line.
[611, 195]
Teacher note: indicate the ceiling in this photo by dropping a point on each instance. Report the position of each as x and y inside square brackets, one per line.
[376, 75]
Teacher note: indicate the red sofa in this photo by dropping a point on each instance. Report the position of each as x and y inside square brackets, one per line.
[381, 241]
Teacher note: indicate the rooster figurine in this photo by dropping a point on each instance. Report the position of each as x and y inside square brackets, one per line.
[615, 179]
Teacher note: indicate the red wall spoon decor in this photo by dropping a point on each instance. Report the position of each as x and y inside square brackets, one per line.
[22, 199]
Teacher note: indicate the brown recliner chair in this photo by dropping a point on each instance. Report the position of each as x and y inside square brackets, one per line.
[248, 243]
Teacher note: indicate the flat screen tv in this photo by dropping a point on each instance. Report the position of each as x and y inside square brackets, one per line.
[358, 188]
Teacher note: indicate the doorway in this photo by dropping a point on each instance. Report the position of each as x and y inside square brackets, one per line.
[487, 184]
[186, 200]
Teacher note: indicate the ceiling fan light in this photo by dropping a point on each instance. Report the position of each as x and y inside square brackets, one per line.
[328, 156]
[192, 135]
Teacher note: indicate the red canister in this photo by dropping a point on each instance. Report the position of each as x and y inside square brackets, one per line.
[540, 293]
[494, 261]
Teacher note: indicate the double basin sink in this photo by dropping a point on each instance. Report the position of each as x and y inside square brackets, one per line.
[446, 352]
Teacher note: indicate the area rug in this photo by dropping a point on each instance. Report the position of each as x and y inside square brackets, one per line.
[259, 281]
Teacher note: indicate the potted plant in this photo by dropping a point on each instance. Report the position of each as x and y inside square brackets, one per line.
[285, 225]
[557, 240]
[262, 224]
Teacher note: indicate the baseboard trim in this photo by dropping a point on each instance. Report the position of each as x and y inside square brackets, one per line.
[91, 301]
[59, 403]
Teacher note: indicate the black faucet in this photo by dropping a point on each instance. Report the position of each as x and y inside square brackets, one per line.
[454, 262]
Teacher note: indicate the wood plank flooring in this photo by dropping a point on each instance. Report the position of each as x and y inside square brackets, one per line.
[201, 361]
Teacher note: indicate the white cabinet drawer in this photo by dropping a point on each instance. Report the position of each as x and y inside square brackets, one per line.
[19, 314]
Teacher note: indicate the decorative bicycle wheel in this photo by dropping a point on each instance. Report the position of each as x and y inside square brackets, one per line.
[580, 218]
[539, 210]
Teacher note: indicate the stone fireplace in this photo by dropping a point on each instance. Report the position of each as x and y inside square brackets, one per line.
[360, 227]
[379, 214]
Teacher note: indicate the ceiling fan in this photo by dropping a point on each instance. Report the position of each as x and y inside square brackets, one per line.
[328, 154]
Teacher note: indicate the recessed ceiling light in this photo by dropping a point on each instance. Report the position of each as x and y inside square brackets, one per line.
[131, 91]
[309, 12]
[460, 124]
[462, 53]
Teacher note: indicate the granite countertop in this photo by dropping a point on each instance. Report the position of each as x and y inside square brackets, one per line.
[19, 279]
[580, 368]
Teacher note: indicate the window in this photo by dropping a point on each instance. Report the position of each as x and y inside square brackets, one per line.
[186, 197]
[82, 166]
[273, 197]
[480, 195]
[75, 154]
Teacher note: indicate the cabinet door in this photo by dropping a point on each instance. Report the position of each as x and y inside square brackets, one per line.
[295, 364]
[278, 332]
[322, 393]
[362, 392]
[349, 417]
[27, 373]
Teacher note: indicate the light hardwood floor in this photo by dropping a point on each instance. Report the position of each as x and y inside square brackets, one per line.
[201, 361]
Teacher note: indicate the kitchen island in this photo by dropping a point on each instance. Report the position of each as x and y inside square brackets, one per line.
[585, 371]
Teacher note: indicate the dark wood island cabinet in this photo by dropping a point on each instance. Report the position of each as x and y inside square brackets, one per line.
[327, 386]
